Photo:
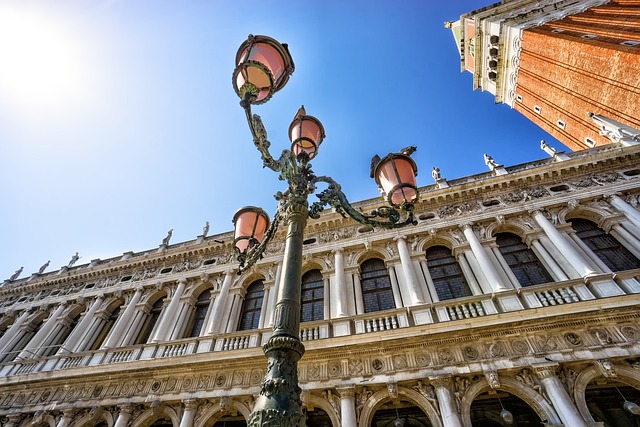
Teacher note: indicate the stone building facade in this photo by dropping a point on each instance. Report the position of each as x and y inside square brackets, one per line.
[555, 61]
[518, 288]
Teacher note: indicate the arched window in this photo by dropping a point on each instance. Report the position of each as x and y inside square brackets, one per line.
[251, 307]
[376, 286]
[446, 274]
[605, 246]
[312, 304]
[201, 309]
[523, 262]
[152, 318]
[106, 328]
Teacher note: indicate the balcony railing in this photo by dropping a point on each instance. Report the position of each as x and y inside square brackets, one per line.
[474, 307]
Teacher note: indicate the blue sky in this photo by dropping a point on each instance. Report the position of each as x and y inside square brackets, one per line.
[118, 120]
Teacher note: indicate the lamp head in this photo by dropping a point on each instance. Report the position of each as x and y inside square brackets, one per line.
[306, 134]
[395, 175]
[263, 67]
[251, 224]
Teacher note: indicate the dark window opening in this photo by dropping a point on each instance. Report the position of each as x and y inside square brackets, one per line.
[446, 274]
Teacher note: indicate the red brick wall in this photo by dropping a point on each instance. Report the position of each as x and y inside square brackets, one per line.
[568, 76]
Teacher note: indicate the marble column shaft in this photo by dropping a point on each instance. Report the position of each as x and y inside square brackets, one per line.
[75, 338]
[446, 401]
[339, 289]
[628, 210]
[559, 397]
[189, 414]
[13, 331]
[124, 320]
[562, 243]
[216, 324]
[412, 286]
[42, 334]
[124, 416]
[483, 259]
[164, 327]
[347, 407]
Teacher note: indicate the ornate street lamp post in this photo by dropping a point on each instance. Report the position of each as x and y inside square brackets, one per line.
[263, 67]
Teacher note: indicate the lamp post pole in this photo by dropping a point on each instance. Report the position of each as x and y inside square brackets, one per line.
[279, 402]
[263, 67]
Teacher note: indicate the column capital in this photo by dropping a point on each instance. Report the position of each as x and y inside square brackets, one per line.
[545, 370]
[337, 250]
[442, 381]
[191, 404]
[127, 408]
[466, 225]
[182, 281]
[348, 390]
[400, 237]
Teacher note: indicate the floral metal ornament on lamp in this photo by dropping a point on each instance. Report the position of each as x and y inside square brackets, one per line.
[263, 67]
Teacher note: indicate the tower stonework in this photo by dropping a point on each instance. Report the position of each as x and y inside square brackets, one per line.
[556, 61]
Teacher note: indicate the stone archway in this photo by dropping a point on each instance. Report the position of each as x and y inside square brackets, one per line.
[404, 394]
[315, 401]
[149, 417]
[216, 412]
[91, 420]
[531, 397]
[623, 374]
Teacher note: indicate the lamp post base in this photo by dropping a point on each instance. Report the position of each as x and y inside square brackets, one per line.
[279, 403]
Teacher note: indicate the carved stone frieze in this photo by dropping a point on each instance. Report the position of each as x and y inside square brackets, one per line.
[524, 195]
[458, 209]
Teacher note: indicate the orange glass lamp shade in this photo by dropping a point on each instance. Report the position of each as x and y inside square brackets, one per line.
[396, 175]
[306, 134]
[263, 67]
[251, 224]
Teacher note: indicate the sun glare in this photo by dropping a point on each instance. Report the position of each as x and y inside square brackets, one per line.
[41, 62]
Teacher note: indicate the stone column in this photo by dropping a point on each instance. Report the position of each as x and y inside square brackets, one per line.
[327, 298]
[562, 243]
[412, 287]
[431, 287]
[215, 324]
[467, 272]
[124, 416]
[446, 401]
[13, 330]
[623, 235]
[505, 267]
[357, 290]
[339, 289]
[263, 309]
[624, 207]
[558, 395]
[554, 269]
[274, 296]
[483, 258]
[397, 296]
[558, 258]
[115, 336]
[74, 340]
[67, 417]
[347, 406]
[587, 254]
[42, 334]
[190, 410]
[164, 327]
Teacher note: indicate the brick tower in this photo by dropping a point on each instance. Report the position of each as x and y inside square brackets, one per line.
[555, 61]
